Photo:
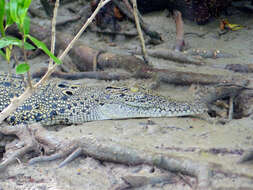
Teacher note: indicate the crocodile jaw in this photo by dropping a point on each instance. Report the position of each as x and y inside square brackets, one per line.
[121, 111]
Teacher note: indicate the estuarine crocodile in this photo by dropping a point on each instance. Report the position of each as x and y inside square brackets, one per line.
[60, 102]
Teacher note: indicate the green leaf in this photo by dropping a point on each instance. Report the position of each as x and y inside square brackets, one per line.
[2, 54]
[22, 68]
[4, 42]
[21, 12]
[28, 46]
[9, 20]
[43, 46]
[8, 51]
[9, 40]
[26, 25]
[14, 10]
[27, 3]
[25, 6]
[2, 12]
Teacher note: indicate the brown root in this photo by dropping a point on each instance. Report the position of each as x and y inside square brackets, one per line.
[172, 55]
[35, 137]
[82, 75]
[179, 31]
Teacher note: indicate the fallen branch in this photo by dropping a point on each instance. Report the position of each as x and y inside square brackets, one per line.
[109, 32]
[244, 104]
[210, 94]
[140, 181]
[172, 55]
[247, 157]
[241, 68]
[84, 55]
[188, 78]
[67, 20]
[82, 75]
[215, 151]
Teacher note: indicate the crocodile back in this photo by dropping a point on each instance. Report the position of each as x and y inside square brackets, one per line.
[55, 102]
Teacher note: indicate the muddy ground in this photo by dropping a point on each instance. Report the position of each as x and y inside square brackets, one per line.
[185, 136]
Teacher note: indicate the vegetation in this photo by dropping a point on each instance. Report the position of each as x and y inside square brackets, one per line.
[15, 12]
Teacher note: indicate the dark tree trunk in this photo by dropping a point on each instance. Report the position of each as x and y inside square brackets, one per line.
[196, 10]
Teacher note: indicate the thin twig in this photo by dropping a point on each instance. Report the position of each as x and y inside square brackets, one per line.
[100, 5]
[29, 81]
[51, 70]
[17, 101]
[231, 108]
[53, 30]
[123, 7]
[137, 22]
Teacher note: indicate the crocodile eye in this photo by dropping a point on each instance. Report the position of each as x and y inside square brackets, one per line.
[110, 87]
[67, 92]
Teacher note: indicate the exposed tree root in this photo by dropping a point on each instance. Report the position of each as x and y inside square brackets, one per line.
[109, 32]
[172, 55]
[84, 57]
[242, 68]
[215, 151]
[140, 181]
[82, 75]
[247, 157]
[210, 94]
[12, 155]
[179, 45]
[35, 137]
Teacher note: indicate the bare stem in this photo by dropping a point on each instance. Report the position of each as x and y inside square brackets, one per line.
[50, 70]
[29, 81]
[179, 30]
[137, 22]
[16, 102]
[53, 30]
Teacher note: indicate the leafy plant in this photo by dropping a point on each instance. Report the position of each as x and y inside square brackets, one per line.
[22, 68]
[15, 12]
[2, 12]
[43, 47]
